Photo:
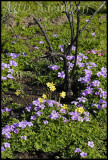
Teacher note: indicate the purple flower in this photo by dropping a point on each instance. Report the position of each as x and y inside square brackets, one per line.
[60, 46]
[13, 55]
[85, 57]
[28, 108]
[89, 90]
[62, 110]
[36, 47]
[14, 125]
[86, 118]
[50, 103]
[29, 124]
[77, 150]
[2, 149]
[64, 119]
[45, 121]
[91, 144]
[10, 76]
[80, 119]
[74, 117]
[71, 113]
[103, 69]
[39, 113]
[15, 36]
[55, 35]
[41, 42]
[54, 115]
[7, 135]
[62, 49]
[13, 63]
[70, 57]
[82, 99]
[73, 47]
[104, 105]
[87, 20]
[36, 108]
[11, 70]
[36, 103]
[42, 106]
[22, 124]
[88, 72]
[82, 154]
[95, 83]
[3, 78]
[25, 137]
[61, 74]
[74, 102]
[93, 34]
[55, 67]
[4, 65]
[87, 114]
[24, 54]
[2, 110]
[6, 145]
[84, 93]
[16, 131]
[13, 41]
[8, 109]
[33, 117]
[97, 93]
[81, 64]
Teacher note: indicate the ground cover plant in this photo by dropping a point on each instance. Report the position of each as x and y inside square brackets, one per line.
[35, 113]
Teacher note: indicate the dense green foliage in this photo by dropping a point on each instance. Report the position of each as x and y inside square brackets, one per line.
[56, 136]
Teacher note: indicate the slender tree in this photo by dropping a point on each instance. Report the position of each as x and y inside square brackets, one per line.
[69, 80]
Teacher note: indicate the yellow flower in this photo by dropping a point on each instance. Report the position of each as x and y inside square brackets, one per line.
[40, 99]
[52, 88]
[17, 92]
[50, 84]
[63, 94]
[80, 110]
[44, 96]
[65, 106]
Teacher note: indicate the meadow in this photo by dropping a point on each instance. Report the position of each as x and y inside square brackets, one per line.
[37, 121]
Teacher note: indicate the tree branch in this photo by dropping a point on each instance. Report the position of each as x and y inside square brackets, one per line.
[69, 47]
[50, 47]
[76, 51]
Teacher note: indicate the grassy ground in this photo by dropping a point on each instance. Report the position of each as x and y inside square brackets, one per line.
[31, 74]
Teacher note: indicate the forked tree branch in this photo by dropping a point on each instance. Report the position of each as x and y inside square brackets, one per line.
[72, 42]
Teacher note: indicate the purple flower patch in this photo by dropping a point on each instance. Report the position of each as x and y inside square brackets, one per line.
[77, 150]
[91, 144]
[82, 154]
[61, 74]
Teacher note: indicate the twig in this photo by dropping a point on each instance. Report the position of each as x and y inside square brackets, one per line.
[50, 47]
[85, 26]
[11, 27]
[76, 51]
[89, 21]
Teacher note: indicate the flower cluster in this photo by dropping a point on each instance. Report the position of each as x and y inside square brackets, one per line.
[51, 86]
[83, 154]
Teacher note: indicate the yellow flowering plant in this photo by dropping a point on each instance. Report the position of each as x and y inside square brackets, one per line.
[63, 94]
[65, 106]
[40, 100]
[44, 96]
[80, 110]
